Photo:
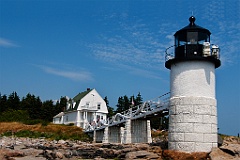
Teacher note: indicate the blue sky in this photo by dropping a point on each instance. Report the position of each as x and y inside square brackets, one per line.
[59, 48]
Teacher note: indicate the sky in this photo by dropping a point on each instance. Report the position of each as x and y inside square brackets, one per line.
[54, 48]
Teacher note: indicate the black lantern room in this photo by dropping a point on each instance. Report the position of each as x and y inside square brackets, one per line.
[193, 43]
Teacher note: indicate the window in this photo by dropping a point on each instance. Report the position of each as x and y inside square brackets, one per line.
[99, 106]
[192, 37]
[87, 104]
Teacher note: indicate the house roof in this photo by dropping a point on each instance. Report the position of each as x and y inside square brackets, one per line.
[59, 115]
[78, 98]
[81, 95]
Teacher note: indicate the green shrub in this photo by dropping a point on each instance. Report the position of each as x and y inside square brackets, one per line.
[44, 123]
[14, 116]
[70, 124]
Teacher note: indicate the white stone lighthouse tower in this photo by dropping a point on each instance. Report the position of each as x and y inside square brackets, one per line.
[193, 105]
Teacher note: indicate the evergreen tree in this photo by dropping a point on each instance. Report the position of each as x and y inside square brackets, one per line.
[126, 103]
[47, 110]
[3, 103]
[60, 105]
[32, 105]
[63, 103]
[13, 101]
[110, 109]
[120, 105]
[139, 99]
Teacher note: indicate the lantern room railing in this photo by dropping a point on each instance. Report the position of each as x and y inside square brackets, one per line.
[207, 50]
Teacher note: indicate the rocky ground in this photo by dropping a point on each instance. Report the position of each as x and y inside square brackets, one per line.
[42, 149]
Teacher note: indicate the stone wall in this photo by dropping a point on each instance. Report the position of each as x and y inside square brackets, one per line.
[192, 124]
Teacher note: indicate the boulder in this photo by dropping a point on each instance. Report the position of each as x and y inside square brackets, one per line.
[218, 154]
[141, 146]
[232, 149]
[141, 155]
[59, 155]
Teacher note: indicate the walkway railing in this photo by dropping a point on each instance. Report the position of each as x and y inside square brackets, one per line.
[147, 108]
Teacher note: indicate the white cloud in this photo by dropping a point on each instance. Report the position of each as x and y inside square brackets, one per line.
[7, 43]
[135, 46]
[137, 49]
[80, 75]
[227, 37]
[140, 72]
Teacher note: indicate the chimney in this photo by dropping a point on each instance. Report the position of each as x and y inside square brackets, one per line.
[88, 89]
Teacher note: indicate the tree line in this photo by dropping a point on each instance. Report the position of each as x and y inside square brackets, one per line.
[31, 110]
[124, 103]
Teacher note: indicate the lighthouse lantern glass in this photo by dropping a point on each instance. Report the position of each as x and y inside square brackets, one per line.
[192, 37]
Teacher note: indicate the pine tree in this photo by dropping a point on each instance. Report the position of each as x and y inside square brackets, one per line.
[47, 110]
[120, 105]
[3, 103]
[126, 103]
[139, 99]
[110, 109]
[32, 105]
[13, 101]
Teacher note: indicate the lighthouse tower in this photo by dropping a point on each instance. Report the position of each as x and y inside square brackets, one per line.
[193, 105]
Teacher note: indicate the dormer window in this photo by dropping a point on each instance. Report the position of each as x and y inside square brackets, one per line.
[99, 106]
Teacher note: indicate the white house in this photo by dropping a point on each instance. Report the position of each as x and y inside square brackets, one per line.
[86, 108]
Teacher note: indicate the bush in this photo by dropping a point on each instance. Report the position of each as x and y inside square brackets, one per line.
[70, 124]
[35, 121]
[32, 122]
[14, 116]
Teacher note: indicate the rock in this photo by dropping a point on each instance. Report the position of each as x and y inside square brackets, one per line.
[218, 154]
[176, 155]
[156, 149]
[10, 147]
[141, 146]
[59, 155]
[47, 154]
[112, 146]
[68, 154]
[31, 149]
[141, 155]
[232, 149]
[98, 158]
[61, 141]
[126, 150]
[8, 154]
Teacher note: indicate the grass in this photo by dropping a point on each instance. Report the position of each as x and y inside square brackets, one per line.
[50, 131]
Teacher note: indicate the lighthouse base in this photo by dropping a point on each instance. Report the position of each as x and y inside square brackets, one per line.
[192, 124]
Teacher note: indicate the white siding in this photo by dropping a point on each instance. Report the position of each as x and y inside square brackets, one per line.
[70, 117]
[94, 99]
[193, 78]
